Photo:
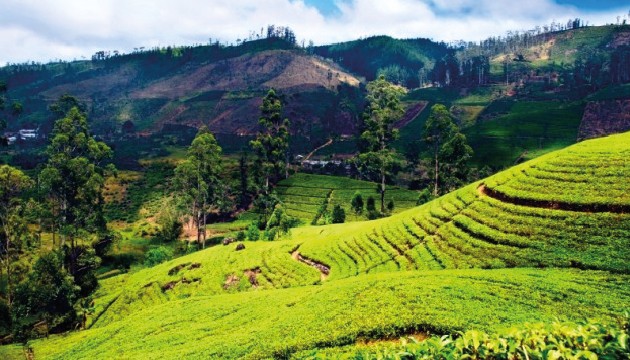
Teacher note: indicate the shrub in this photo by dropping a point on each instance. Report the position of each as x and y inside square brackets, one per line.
[157, 255]
[357, 203]
[424, 197]
[538, 341]
[390, 206]
[241, 236]
[371, 204]
[373, 214]
[252, 232]
[338, 215]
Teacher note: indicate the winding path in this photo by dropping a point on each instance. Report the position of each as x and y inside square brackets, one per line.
[330, 141]
[323, 269]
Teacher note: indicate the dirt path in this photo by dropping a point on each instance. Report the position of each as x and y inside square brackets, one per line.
[411, 114]
[482, 190]
[323, 269]
[330, 141]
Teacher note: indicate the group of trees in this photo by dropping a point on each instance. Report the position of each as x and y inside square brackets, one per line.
[66, 197]
[202, 190]
[444, 144]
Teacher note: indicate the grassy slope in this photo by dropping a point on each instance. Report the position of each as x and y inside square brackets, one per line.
[467, 229]
[337, 313]
[461, 230]
[523, 130]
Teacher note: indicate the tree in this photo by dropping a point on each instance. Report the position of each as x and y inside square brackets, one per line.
[357, 202]
[448, 147]
[14, 227]
[382, 110]
[272, 142]
[338, 215]
[243, 175]
[49, 294]
[169, 221]
[198, 180]
[74, 177]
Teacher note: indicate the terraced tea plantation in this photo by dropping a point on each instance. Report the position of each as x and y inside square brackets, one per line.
[560, 210]
[304, 195]
[542, 241]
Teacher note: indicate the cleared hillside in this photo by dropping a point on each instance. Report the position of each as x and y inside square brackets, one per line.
[220, 87]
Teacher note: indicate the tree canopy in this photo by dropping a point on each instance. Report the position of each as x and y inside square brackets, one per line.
[383, 109]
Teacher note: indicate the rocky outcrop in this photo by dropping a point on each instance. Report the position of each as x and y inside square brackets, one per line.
[605, 117]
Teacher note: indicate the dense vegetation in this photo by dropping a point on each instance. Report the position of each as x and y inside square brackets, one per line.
[406, 274]
[121, 255]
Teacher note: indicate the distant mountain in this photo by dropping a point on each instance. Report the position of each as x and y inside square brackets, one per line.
[493, 87]
[409, 62]
[220, 87]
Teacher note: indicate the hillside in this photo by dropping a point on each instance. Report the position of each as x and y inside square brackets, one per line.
[545, 239]
[220, 87]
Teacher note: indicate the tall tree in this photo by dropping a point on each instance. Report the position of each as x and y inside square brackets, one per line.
[448, 147]
[198, 180]
[382, 111]
[12, 183]
[74, 177]
[272, 142]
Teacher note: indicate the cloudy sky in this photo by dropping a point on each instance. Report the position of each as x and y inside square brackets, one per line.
[43, 30]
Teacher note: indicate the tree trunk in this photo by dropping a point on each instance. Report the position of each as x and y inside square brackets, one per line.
[435, 189]
[198, 219]
[382, 192]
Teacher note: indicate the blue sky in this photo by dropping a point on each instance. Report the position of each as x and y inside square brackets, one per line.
[43, 30]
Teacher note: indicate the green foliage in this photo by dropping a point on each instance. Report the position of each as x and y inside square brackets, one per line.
[82, 263]
[309, 197]
[333, 314]
[371, 204]
[74, 175]
[585, 340]
[517, 131]
[272, 143]
[279, 223]
[157, 255]
[338, 215]
[377, 157]
[357, 203]
[47, 295]
[390, 206]
[197, 179]
[13, 222]
[449, 150]
[425, 196]
[253, 233]
[171, 226]
[411, 60]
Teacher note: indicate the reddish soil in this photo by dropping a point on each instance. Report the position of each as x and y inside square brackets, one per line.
[323, 269]
[410, 114]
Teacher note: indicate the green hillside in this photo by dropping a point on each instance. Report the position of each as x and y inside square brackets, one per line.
[544, 240]
[304, 194]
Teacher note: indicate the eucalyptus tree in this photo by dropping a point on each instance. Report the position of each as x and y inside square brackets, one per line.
[382, 111]
[198, 180]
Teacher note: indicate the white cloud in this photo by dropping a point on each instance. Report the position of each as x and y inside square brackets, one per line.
[68, 29]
